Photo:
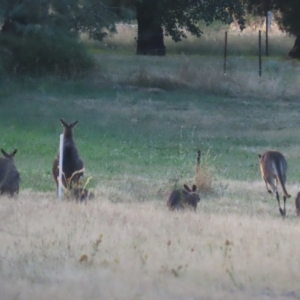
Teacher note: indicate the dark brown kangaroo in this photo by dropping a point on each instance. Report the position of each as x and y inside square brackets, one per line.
[273, 167]
[71, 160]
[9, 176]
[183, 198]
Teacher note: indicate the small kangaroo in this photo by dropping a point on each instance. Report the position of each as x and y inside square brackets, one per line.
[71, 160]
[273, 167]
[9, 176]
[82, 194]
[183, 198]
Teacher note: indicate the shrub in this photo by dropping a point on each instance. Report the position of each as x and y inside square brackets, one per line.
[41, 52]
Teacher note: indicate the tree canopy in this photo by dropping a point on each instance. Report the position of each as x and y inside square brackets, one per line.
[155, 18]
[42, 36]
[174, 18]
[71, 16]
[286, 14]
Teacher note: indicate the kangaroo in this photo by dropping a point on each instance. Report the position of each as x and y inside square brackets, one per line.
[82, 194]
[273, 167]
[186, 197]
[71, 161]
[183, 198]
[9, 175]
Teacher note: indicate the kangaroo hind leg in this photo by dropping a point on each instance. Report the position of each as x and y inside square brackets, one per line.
[266, 183]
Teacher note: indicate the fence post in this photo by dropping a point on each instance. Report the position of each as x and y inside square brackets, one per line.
[267, 33]
[225, 54]
[61, 150]
[259, 53]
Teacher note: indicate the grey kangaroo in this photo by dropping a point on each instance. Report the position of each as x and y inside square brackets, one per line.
[9, 175]
[183, 198]
[273, 167]
[71, 160]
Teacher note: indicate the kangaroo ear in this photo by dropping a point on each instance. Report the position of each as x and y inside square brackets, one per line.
[73, 124]
[259, 155]
[63, 123]
[4, 153]
[194, 187]
[186, 188]
[14, 152]
[199, 155]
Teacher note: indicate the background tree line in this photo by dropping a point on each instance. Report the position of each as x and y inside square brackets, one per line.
[43, 35]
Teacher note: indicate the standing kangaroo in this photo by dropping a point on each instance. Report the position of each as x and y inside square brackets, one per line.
[273, 167]
[9, 175]
[71, 161]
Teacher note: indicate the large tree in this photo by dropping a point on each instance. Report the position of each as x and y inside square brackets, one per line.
[286, 14]
[159, 18]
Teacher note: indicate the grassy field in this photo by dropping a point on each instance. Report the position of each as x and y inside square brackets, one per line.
[141, 122]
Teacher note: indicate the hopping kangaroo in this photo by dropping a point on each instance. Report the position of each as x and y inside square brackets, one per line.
[9, 175]
[273, 167]
[71, 160]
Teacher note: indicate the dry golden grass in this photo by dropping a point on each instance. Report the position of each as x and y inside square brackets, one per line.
[278, 81]
[235, 247]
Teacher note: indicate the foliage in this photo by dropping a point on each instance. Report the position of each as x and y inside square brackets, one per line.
[178, 16]
[286, 12]
[187, 14]
[41, 36]
[175, 18]
[76, 16]
[41, 52]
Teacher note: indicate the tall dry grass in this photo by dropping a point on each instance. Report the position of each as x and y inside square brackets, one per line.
[234, 247]
[198, 63]
[278, 81]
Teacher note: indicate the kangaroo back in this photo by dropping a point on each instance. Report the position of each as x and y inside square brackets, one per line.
[183, 198]
[273, 165]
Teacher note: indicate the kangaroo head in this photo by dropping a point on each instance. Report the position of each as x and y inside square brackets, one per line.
[68, 133]
[191, 194]
[186, 187]
[9, 155]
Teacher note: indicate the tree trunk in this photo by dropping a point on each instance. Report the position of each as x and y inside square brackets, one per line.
[8, 27]
[295, 52]
[150, 39]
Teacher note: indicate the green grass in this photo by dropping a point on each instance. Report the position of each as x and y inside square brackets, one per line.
[140, 132]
